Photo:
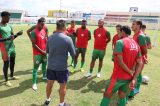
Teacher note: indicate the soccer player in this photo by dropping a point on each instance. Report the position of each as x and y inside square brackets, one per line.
[72, 33]
[140, 38]
[101, 39]
[39, 40]
[7, 47]
[29, 34]
[147, 37]
[83, 36]
[58, 46]
[127, 56]
[117, 36]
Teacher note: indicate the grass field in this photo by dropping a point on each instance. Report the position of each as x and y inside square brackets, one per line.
[81, 91]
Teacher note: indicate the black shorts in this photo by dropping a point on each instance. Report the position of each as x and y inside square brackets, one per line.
[60, 76]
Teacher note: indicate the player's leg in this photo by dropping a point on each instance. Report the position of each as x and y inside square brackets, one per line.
[76, 57]
[5, 58]
[74, 40]
[62, 80]
[122, 98]
[5, 71]
[12, 64]
[37, 61]
[51, 77]
[111, 87]
[101, 57]
[136, 90]
[83, 58]
[123, 90]
[94, 57]
[44, 64]
[139, 81]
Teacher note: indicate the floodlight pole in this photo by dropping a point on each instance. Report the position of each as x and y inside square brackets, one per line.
[60, 6]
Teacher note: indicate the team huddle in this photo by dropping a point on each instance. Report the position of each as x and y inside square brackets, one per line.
[129, 55]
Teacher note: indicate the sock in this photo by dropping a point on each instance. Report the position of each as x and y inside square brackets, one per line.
[91, 70]
[75, 64]
[34, 75]
[99, 69]
[48, 99]
[72, 61]
[139, 81]
[82, 63]
[131, 94]
[61, 104]
[44, 69]
[122, 102]
[105, 101]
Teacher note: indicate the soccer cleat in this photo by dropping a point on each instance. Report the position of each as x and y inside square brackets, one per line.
[130, 97]
[14, 78]
[88, 75]
[34, 87]
[82, 70]
[98, 75]
[46, 103]
[8, 84]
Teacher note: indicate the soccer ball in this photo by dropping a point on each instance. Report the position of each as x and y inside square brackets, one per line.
[145, 79]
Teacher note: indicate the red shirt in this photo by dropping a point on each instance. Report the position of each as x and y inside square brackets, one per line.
[130, 52]
[135, 37]
[100, 39]
[40, 40]
[115, 39]
[82, 38]
[71, 30]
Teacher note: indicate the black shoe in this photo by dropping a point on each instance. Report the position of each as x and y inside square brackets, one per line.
[130, 97]
[46, 103]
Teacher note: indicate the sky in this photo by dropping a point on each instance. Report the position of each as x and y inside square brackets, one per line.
[40, 7]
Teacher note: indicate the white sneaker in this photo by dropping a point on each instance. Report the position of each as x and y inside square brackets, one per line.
[14, 78]
[34, 87]
[39, 69]
[98, 75]
[8, 84]
[88, 75]
[82, 70]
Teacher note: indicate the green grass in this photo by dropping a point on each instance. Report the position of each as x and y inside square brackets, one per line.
[81, 91]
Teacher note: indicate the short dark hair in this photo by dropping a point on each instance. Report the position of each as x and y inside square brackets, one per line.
[138, 22]
[118, 25]
[144, 26]
[41, 20]
[126, 29]
[61, 24]
[5, 13]
[84, 21]
[72, 21]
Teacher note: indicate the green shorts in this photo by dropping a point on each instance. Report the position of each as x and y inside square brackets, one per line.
[81, 50]
[113, 86]
[98, 54]
[38, 59]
